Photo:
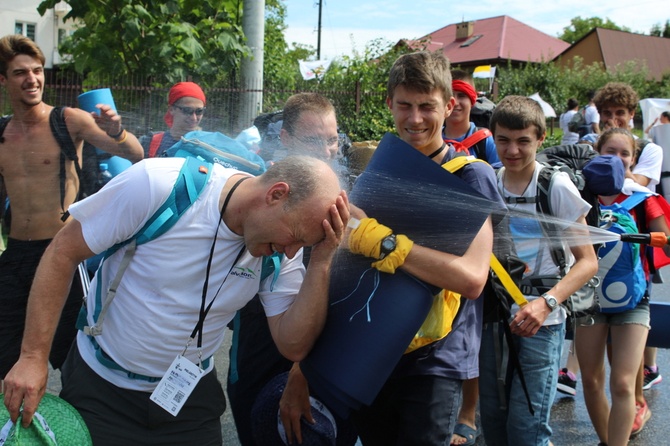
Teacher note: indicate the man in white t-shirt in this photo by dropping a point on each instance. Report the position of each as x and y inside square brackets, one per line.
[591, 115]
[616, 103]
[538, 328]
[568, 136]
[183, 286]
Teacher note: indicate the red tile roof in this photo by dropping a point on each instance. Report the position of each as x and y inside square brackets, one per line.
[501, 38]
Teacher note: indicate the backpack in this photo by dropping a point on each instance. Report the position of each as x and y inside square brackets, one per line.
[446, 304]
[622, 280]
[640, 144]
[572, 159]
[269, 126]
[577, 121]
[476, 140]
[191, 181]
[481, 112]
[89, 181]
[155, 143]
[215, 147]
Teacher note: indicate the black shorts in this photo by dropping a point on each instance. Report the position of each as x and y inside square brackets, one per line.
[17, 269]
[117, 416]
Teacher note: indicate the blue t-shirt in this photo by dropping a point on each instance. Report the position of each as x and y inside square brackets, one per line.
[457, 355]
[491, 152]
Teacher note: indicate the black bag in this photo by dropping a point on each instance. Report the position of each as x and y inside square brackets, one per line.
[481, 112]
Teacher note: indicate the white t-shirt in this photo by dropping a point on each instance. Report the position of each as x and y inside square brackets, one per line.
[650, 164]
[530, 242]
[591, 115]
[158, 300]
[568, 136]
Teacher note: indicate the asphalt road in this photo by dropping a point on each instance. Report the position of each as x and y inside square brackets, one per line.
[569, 418]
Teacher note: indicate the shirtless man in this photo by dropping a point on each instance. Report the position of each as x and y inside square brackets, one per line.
[30, 169]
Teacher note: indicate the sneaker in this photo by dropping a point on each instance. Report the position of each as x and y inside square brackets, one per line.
[566, 384]
[651, 378]
[642, 415]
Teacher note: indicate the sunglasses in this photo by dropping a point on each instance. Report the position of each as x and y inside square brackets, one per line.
[190, 110]
[316, 141]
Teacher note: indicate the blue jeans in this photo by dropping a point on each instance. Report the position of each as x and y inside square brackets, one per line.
[411, 410]
[510, 422]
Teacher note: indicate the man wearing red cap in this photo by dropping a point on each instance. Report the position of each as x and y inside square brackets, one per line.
[186, 106]
[458, 130]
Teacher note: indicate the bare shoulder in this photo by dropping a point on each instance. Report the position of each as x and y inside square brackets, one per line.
[78, 120]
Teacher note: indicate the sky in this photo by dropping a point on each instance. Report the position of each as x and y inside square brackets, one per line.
[348, 25]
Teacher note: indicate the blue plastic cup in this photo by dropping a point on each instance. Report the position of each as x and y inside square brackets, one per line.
[88, 100]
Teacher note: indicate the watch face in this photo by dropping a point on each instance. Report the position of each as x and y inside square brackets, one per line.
[388, 244]
[551, 301]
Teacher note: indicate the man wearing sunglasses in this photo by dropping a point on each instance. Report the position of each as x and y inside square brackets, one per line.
[310, 126]
[186, 106]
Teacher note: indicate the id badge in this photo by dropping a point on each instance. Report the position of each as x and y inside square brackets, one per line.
[176, 385]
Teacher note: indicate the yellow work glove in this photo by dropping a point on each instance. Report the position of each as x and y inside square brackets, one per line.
[366, 240]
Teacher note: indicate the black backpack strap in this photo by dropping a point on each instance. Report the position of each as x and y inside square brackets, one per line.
[641, 143]
[4, 120]
[68, 151]
[550, 229]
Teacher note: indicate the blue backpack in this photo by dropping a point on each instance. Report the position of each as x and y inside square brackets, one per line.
[622, 281]
[191, 181]
[215, 147]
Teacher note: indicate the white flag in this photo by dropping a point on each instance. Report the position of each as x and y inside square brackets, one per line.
[313, 69]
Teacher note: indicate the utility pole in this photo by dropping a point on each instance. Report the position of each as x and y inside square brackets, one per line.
[318, 33]
[251, 98]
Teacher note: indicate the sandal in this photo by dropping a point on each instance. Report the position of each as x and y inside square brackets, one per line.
[465, 431]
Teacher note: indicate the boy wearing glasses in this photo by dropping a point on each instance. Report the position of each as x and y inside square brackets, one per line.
[186, 106]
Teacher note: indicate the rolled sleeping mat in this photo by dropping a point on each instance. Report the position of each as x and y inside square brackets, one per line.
[373, 316]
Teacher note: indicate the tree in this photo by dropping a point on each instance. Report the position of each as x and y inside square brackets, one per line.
[580, 27]
[657, 31]
[280, 64]
[166, 41]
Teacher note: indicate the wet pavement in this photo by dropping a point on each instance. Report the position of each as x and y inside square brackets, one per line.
[569, 418]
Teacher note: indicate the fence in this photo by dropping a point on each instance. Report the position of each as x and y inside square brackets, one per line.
[143, 105]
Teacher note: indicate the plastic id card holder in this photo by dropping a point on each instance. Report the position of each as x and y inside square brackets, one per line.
[177, 384]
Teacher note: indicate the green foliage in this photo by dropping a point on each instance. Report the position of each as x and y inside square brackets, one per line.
[580, 27]
[280, 63]
[167, 42]
[556, 84]
[657, 31]
[367, 73]
[543, 78]
[363, 76]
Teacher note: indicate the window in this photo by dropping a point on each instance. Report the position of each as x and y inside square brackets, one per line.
[471, 40]
[26, 29]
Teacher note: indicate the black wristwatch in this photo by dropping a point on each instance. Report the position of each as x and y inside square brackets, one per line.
[388, 246]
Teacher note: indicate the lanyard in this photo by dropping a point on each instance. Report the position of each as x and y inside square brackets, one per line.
[204, 310]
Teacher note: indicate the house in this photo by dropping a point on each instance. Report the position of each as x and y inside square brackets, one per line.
[614, 48]
[492, 41]
[21, 17]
